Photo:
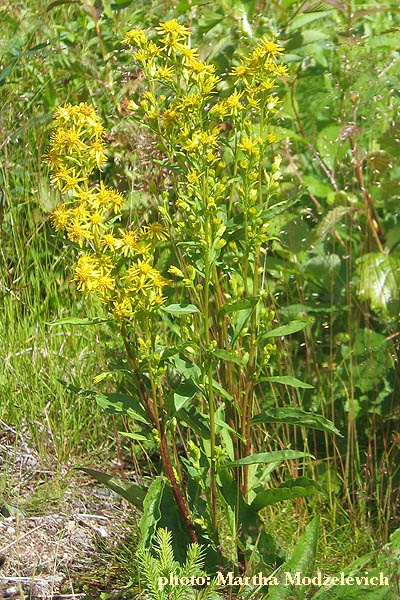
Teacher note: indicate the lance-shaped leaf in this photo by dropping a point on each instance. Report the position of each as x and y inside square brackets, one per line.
[292, 327]
[180, 309]
[295, 416]
[114, 403]
[287, 380]
[267, 457]
[132, 492]
[302, 561]
[151, 511]
[287, 490]
[79, 321]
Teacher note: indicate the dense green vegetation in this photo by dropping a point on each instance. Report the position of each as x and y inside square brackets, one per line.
[331, 262]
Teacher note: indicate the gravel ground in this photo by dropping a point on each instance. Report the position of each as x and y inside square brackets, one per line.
[49, 542]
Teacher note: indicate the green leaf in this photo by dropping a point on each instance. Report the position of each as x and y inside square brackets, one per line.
[267, 457]
[302, 561]
[78, 321]
[292, 327]
[195, 420]
[288, 380]
[115, 403]
[228, 356]
[242, 318]
[296, 416]
[329, 144]
[251, 526]
[133, 436]
[379, 279]
[132, 492]
[60, 2]
[329, 222]
[185, 367]
[287, 490]
[307, 18]
[151, 511]
[182, 394]
[180, 309]
[240, 305]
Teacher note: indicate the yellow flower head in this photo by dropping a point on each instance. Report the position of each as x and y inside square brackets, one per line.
[60, 217]
[136, 37]
[86, 273]
[155, 231]
[172, 29]
[233, 102]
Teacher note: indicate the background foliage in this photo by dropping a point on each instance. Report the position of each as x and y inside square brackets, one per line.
[334, 260]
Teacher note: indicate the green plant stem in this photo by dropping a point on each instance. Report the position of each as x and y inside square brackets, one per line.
[211, 405]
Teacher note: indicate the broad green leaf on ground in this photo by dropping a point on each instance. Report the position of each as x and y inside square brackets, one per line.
[380, 280]
[267, 457]
[287, 380]
[302, 561]
[132, 492]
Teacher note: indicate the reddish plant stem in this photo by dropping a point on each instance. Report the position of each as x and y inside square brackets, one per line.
[164, 450]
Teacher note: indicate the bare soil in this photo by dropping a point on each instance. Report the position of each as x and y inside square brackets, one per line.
[58, 529]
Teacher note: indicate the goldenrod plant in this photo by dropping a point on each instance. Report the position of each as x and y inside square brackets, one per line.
[199, 338]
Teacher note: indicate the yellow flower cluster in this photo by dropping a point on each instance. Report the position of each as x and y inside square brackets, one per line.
[117, 264]
[179, 103]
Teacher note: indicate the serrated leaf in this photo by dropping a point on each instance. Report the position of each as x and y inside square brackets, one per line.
[288, 380]
[295, 416]
[287, 490]
[267, 457]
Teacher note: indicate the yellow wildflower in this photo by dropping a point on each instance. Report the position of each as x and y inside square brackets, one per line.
[78, 232]
[60, 217]
[136, 37]
[155, 231]
[86, 273]
[233, 102]
[172, 29]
